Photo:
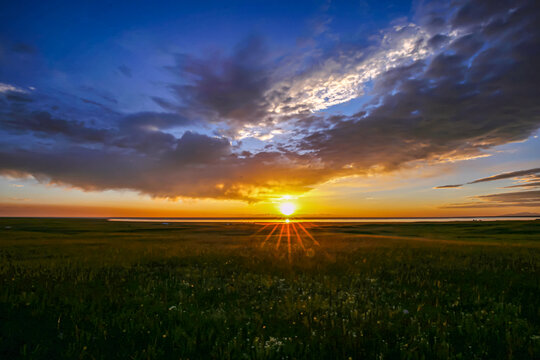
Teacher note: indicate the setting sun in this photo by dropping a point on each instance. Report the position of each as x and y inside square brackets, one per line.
[287, 208]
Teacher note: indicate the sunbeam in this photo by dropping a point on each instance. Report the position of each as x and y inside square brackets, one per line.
[308, 234]
[298, 237]
[279, 238]
[294, 235]
[269, 235]
[289, 241]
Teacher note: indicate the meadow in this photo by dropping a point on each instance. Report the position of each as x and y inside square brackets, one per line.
[93, 289]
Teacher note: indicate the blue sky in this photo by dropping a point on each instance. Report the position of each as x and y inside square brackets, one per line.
[231, 106]
[84, 44]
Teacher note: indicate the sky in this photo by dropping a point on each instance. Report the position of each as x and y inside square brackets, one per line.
[218, 109]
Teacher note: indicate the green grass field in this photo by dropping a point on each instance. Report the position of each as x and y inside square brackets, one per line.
[93, 289]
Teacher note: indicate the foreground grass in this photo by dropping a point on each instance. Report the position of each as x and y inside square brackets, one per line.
[93, 289]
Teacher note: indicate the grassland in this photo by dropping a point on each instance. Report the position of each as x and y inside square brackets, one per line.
[93, 289]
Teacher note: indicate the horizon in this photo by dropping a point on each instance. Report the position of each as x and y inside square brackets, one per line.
[376, 109]
[300, 218]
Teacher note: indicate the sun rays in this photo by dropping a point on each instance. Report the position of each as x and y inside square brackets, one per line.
[288, 238]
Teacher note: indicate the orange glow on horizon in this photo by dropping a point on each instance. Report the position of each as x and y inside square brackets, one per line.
[268, 210]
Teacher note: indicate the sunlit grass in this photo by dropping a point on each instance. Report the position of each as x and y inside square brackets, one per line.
[92, 289]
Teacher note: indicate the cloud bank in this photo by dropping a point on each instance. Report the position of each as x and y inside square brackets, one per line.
[447, 86]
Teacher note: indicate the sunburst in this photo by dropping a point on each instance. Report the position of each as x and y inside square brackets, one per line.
[289, 236]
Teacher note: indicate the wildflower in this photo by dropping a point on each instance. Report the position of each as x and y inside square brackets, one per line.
[273, 343]
[405, 311]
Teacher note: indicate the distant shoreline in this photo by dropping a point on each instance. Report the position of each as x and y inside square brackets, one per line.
[295, 219]
[328, 219]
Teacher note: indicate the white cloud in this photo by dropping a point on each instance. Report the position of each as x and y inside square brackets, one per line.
[7, 87]
[343, 77]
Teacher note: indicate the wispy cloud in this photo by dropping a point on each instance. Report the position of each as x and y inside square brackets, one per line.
[7, 88]
[527, 184]
[343, 76]
[507, 199]
[457, 186]
[507, 175]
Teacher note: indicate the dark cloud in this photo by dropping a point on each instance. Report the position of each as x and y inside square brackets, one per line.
[438, 40]
[480, 94]
[193, 148]
[43, 124]
[448, 186]
[467, 45]
[136, 152]
[229, 89]
[467, 83]
[142, 132]
[472, 12]
[197, 166]
[18, 97]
